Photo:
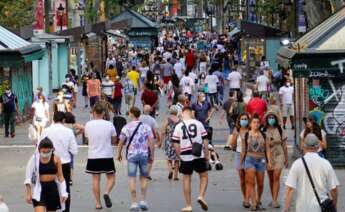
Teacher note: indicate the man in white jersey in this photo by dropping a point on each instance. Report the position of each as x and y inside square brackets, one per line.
[190, 131]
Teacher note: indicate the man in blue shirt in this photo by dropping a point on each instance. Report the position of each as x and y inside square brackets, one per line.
[203, 111]
[9, 109]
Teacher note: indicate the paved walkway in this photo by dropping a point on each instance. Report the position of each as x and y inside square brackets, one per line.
[223, 192]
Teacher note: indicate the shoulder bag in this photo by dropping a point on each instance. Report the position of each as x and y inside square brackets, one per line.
[327, 205]
[131, 138]
[196, 147]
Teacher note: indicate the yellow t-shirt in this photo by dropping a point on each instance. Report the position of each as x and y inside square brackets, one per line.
[134, 77]
[112, 73]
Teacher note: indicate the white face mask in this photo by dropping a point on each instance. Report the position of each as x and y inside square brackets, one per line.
[46, 155]
[107, 78]
[288, 84]
[8, 91]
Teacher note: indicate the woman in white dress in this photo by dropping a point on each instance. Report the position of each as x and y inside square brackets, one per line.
[41, 114]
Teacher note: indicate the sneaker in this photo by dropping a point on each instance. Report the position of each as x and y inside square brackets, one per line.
[143, 206]
[203, 203]
[134, 207]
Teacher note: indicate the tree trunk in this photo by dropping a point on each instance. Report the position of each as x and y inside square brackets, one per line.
[316, 12]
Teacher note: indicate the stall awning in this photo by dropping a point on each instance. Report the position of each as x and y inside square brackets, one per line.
[16, 50]
[116, 33]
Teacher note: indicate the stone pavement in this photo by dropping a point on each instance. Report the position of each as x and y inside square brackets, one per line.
[223, 192]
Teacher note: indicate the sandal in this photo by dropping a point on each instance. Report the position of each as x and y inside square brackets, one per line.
[99, 208]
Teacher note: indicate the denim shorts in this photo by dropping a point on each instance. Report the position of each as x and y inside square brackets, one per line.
[140, 161]
[259, 164]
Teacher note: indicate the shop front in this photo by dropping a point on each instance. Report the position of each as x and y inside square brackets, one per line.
[143, 38]
[49, 72]
[142, 32]
[16, 56]
[320, 84]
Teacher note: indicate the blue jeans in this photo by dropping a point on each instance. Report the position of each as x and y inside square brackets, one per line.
[136, 161]
[259, 164]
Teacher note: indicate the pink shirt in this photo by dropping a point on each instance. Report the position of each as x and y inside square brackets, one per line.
[94, 87]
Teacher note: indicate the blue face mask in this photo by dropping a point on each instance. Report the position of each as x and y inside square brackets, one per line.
[244, 123]
[271, 121]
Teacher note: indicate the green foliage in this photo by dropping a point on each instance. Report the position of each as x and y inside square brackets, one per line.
[16, 13]
[90, 12]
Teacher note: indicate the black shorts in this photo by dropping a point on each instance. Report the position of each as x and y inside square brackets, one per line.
[199, 165]
[50, 198]
[100, 166]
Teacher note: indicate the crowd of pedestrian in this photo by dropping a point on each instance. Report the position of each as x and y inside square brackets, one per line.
[190, 83]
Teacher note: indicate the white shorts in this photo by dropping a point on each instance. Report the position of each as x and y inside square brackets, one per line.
[288, 110]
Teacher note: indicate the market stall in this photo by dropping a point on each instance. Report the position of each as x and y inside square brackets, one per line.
[317, 61]
[142, 32]
[16, 56]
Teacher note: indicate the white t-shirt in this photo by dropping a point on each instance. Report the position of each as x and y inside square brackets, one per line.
[235, 79]
[262, 82]
[108, 87]
[143, 71]
[287, 94]
[323, 176]
[203, 67]
[100, 133]
[196, 132]
[167, 55]
[193, 76]
[211, 81]
[187, 84]
[41, 109]
[178, 69]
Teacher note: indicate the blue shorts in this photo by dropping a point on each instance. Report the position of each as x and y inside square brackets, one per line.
[135, 162]
[238, 161]
[259, 164]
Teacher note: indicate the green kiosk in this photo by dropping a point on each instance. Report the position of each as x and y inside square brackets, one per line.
[317, 61]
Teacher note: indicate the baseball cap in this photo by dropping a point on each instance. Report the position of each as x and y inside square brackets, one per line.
[311, 141]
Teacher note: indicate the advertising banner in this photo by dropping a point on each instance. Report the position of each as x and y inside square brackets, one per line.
[39, 17]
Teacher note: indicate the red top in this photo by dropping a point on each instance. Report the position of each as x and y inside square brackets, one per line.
[149, 97]
[190, 59]
[257, 106]
[118, 89]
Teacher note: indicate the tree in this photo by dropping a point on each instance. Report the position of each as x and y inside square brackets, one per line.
[317, 11]
[15, 14]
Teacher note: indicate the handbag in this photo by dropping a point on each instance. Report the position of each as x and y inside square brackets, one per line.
[327, 205]
[131, 138]
[196, 147]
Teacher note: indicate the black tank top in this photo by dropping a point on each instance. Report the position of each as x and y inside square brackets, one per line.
[49, 168]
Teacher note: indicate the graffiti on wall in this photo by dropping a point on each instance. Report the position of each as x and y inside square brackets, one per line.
[318, 95]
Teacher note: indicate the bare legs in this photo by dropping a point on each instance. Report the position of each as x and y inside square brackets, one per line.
[274, 178]
[96, 178]
[187, 188]
[241, 174]
[133, 191]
